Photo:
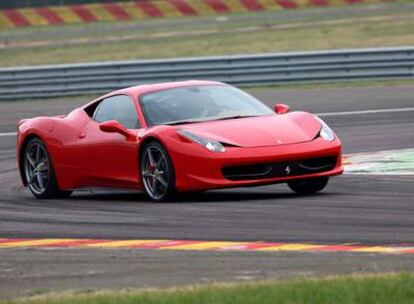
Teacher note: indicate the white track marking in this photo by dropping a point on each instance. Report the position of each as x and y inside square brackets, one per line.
[377, 111]
[391, 162]
[318, 114]
[8, 134]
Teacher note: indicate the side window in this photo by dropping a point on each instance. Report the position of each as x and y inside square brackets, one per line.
[119, 108]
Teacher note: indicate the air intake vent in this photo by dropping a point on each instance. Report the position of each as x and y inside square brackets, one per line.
[280, 169]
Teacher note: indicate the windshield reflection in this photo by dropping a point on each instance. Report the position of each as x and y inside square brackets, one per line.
[199, 103]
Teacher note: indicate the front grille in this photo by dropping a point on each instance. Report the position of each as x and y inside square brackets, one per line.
[280, 169]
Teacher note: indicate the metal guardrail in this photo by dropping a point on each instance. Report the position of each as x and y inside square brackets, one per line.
[243, 70]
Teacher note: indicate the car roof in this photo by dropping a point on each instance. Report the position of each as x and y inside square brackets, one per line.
[147, 88]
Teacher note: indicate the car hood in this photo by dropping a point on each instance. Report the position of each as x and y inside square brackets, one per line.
[270, 130]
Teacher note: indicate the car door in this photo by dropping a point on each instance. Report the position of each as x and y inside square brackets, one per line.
[108, 158]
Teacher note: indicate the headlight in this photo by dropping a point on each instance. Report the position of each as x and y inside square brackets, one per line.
[211, 145]
[325, 132]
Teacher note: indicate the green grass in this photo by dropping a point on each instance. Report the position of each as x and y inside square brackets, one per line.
[377, 289]
[393, 27]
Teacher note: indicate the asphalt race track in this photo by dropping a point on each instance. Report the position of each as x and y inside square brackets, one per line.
[368, 209]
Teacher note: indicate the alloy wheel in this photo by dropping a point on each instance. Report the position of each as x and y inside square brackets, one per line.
[154, 172]
[37, 168]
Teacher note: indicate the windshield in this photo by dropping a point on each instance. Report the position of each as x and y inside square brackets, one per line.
[199, 103]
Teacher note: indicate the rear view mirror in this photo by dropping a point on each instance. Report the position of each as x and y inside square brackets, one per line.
[112, 126]
[281, 108]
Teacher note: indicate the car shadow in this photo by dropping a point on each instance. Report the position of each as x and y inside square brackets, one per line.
[214, 196]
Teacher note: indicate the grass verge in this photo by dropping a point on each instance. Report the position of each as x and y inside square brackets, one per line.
[387, 288]
[264, 32]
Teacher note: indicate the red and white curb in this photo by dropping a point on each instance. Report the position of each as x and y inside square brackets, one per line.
[8, 243]
[150, 9]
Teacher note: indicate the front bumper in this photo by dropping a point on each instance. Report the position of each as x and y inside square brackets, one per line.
[199, 169]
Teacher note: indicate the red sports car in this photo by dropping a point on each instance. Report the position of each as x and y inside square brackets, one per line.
[176, 137]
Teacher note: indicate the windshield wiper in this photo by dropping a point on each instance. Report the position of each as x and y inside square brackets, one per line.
[236, 116]
[179, 122]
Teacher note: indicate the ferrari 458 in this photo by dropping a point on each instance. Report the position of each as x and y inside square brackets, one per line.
[176, 137]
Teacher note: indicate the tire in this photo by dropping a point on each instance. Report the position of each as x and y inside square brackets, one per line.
[157, 173]
[39, 172]
[308, 186]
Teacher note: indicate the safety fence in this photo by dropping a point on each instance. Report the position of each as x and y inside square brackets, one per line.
[241, 70]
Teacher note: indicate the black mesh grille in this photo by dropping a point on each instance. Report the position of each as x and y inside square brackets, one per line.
[280, 169]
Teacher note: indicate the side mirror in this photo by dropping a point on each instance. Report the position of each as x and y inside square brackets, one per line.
[281, 108]
[112, 126]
